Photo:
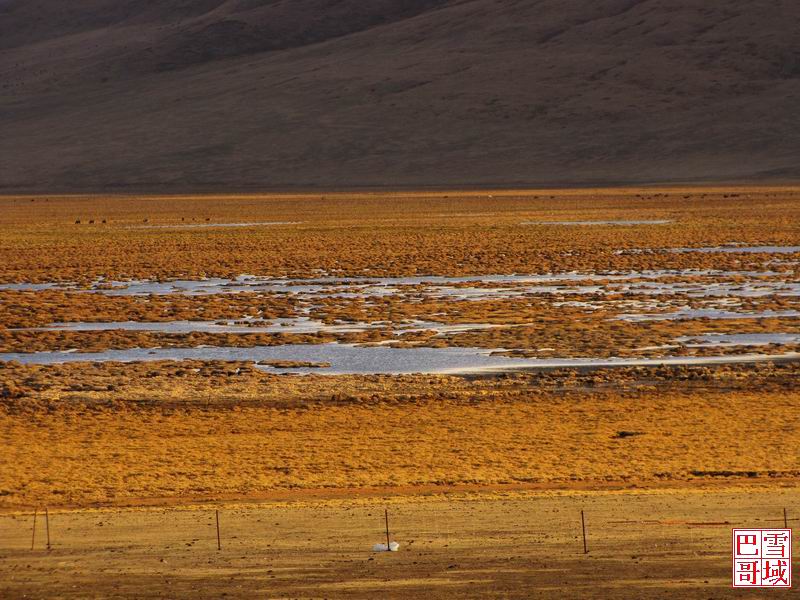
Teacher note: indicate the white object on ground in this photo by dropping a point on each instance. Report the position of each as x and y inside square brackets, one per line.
[393, 547]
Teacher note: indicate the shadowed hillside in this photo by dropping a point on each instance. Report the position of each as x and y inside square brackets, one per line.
[226, 94]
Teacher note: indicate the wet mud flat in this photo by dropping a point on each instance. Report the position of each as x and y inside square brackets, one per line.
[425, 324]
[345, 359]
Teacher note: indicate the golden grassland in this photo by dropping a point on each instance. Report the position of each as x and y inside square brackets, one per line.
[372, 234]
[104, 433]
[35, 309]
[199, 430]
[445, 233]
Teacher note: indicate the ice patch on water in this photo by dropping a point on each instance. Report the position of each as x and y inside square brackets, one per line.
[735, 249]
[33, 287]
[365, 360]
[624, 222]
[721, 340]
[706, 313]
[296, 325]
[456, 288]
[215, 225]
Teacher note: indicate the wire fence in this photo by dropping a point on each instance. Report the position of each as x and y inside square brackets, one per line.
[357, 523]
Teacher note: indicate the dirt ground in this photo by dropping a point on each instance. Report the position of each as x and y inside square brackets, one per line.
[642, 544]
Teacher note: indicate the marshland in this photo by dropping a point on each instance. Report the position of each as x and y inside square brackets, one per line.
[265, 350]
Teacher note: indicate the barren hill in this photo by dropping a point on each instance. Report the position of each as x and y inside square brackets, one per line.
[228, 94]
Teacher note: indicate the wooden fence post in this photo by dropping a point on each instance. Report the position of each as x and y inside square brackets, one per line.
[47, 525]
[386, 516]
[583, 529]
[33, 533]
[219, 542]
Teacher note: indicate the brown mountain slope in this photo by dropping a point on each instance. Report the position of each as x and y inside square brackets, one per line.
[122, 94]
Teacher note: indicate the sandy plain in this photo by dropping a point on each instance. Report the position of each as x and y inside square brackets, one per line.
[495, 544]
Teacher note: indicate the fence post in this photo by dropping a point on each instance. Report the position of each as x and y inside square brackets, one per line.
[583, 529]
[219, 542]
[47, 525]
[386, 516]
[33, 533]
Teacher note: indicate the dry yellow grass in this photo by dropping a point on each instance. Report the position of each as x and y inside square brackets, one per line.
[446, 233]
[105, 433]
[185, 439]
[372, 234]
